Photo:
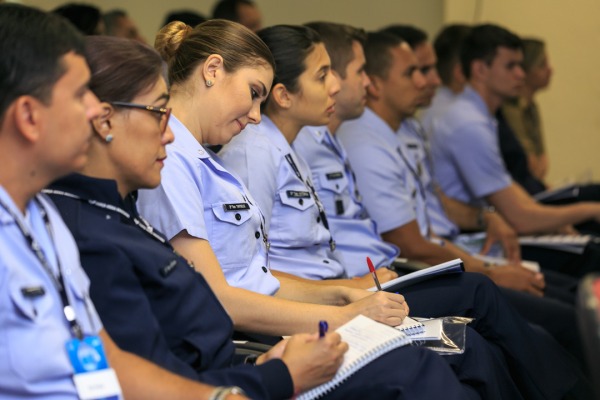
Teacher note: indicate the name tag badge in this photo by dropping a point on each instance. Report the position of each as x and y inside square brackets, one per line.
[334, 175]
[297, 194]
[93, 378]
[236, 206]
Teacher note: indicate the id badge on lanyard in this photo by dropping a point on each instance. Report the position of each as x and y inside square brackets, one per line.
[93, 378]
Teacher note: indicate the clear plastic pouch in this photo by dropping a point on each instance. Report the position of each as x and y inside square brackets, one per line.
[452, 337]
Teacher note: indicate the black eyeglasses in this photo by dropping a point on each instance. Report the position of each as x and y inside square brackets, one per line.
[165, 113]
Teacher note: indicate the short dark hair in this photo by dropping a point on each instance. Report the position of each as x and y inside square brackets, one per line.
[121, 68]
[85, 17]
[33, 43]
[483, 42]
[189, 17]
[447, 45]
[111, 20]
[290, 45]
[338, 40]
[378, 52]
[228, 9]
[410, 34]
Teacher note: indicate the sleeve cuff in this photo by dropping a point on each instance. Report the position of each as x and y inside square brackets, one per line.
[277, 379]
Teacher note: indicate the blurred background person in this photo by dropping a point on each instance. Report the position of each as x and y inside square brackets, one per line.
[118, 23]
[85, 17]
[522, 113]
[188, 17]
[244, 12]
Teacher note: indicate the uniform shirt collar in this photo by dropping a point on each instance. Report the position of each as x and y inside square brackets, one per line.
[475, 98]
[274, 134]
[185, 140]
[377, 124]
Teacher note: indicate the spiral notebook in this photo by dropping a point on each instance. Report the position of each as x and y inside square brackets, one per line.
[367, 340]
[411, 326]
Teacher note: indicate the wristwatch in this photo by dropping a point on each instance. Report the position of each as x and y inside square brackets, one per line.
[221, 392]
[481, 216]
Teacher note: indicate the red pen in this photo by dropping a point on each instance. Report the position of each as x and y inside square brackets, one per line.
[372, 269]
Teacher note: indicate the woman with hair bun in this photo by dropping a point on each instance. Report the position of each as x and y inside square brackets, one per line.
[200, 204]
[217, 87]
[150, 300]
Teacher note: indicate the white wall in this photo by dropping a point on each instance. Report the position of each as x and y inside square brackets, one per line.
[570, 107]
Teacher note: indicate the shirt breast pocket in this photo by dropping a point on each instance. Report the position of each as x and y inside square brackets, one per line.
[299, 217]
[232, 234]
[36, 331]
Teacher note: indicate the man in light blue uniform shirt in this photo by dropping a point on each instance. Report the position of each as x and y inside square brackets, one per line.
[199, 196]
[45, 309]
[354, 232]
[465, 149]
[35, 361]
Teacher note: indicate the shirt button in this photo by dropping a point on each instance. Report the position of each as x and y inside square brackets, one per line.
[301, 201]
[257, 234]
[265, 270]
[337, 186]
[318, 219]
[238, 216]
[326, 261]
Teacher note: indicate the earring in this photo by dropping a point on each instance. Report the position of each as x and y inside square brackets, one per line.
[109, 138]
[209, 83]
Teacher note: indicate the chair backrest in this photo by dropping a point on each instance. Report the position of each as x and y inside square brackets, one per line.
[588, 310]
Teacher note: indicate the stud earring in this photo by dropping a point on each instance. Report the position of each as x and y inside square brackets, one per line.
[109, 138]
[209, 83]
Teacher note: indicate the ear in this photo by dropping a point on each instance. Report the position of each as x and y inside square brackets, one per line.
[212, 67]
[479, 69]
[28, 117]
[103, 124]
[374, 89]
[281, 96]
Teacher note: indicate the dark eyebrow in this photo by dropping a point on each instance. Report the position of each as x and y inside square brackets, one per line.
[325, 69]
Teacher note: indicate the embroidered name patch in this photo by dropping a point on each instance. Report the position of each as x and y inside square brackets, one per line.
[296, 194]
[167, 269]
[236, 206]
[334, 175]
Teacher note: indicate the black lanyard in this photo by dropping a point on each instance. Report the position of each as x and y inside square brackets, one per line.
[58, 281]
[421, 190]
[308, 183]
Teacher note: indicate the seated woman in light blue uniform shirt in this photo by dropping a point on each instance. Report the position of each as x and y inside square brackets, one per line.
[209, 215]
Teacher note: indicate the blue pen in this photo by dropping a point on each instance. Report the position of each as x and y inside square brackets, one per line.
[323, 326]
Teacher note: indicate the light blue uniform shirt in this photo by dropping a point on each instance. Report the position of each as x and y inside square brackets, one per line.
[300, 243]
[201, 197]
[417, 143]
[466, 154]
[355, 233]
[34, 330]
[391, 191]
[439, 104]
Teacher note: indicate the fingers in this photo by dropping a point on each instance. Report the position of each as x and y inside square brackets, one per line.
[513, 250]
[487, 245]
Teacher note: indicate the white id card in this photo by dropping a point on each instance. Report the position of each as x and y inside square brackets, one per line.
[102, 384]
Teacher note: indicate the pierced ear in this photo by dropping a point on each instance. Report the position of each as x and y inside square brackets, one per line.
[102, 124]
[281, 96]
[211, 68]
